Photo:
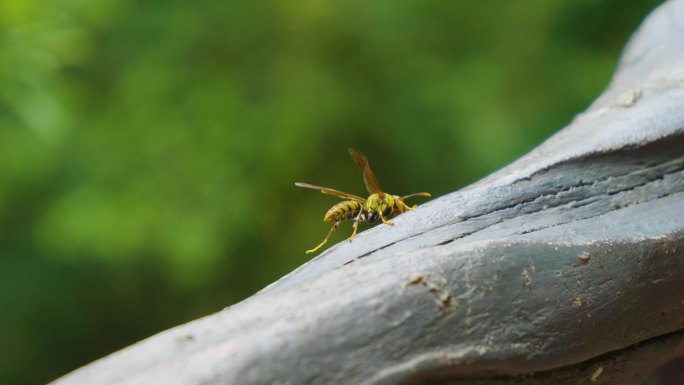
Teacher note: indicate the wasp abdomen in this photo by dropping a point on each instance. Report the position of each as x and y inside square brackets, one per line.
[342, 211]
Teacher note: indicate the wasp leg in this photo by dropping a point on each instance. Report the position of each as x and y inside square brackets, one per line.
[409, 207]
[332, 230]
[356, 225]
[405, 207]
[385, 221]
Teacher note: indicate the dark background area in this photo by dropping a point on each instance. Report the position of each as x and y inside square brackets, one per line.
[148, 149]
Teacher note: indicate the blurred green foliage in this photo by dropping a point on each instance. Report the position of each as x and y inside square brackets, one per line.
[148, 149]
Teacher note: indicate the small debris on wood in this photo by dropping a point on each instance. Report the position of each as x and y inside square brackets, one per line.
[596, 374]
[414, 278]
[444, 300]
[185, 339]
[628, 99]
[437, 285]
[526, 278]
[584, 257]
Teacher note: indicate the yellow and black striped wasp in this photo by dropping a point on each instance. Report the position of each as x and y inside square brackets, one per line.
[378, 205]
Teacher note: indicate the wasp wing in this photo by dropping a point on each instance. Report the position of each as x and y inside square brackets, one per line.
[372, 184]
[329, 191]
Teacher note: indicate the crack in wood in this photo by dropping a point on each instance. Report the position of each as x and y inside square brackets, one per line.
[670, 166]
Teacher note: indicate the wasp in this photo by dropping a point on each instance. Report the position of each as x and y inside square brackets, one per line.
[379, 205]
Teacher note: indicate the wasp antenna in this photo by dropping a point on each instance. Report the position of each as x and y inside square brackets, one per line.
[420, 194]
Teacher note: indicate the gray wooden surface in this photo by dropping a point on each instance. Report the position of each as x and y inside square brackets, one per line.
[565, 267]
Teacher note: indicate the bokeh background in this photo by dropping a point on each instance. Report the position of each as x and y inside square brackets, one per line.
[148, 149]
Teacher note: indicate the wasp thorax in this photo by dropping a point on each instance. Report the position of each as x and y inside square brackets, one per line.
[379, 202]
